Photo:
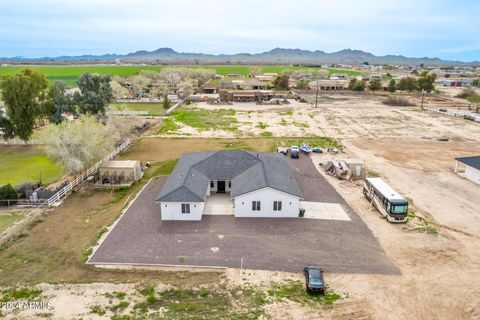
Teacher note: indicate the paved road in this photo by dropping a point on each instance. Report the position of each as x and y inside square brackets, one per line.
[141, 237]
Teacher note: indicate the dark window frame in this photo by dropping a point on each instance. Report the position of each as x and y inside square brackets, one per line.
[185, 208]
[277, 205]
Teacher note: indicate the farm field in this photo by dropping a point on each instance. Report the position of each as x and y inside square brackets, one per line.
[70, 74]
[26, 163]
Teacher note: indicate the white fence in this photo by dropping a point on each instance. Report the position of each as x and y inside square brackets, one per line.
[169, 110]
[458, 113]
[69, 187]
[18, 225]
[16, 141]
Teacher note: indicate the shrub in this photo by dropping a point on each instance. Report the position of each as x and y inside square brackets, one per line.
[7, 192]
[398, 101]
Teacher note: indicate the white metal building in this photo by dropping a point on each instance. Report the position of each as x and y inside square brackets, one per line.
[472, 168]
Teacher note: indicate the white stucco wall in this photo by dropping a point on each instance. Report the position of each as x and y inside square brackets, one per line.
[472, 174]
[290, 204]
[173, 211]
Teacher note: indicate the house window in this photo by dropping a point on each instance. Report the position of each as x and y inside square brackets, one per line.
[185, 207]
[212, 184]
[229, 184]
[255, 205]
[277, 205]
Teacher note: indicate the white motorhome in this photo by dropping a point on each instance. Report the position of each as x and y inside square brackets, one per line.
[388, 202]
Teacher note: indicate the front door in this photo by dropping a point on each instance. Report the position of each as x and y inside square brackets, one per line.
[220, 186]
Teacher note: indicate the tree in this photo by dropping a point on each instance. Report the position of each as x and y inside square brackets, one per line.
[375, 84]
[476, 82]
[392, 86]
[407, 84]
[302, 84]
[59, 102]
[7, 192]
[67, 145]
[24, 95]
[356, 85]
[96, 94]
[281, 82]
[165, 102]
[426, 82]
[6, 127]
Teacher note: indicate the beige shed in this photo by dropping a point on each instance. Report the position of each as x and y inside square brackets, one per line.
[120, 172]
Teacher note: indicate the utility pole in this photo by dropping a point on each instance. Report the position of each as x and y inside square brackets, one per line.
[423, 96]
[316, 96]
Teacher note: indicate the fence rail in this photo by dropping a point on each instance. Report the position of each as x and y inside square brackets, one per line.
[16, 141]
[458, 113]
[69, 187]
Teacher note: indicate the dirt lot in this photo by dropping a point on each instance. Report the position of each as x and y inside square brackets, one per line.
[345, 116]
[440, 272]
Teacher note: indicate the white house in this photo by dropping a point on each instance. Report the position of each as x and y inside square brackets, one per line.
[472, 168]
[259, 184]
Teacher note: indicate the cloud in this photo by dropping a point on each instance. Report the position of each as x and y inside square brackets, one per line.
[413, 28]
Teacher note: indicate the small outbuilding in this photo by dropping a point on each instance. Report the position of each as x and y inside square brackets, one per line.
[119, 172]
[472, 168]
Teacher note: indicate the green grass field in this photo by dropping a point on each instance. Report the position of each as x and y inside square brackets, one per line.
[154, 109]
[8, 218]
[70, 74]
[26, 163]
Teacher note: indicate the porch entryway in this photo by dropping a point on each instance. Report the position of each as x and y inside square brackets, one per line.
[219, 204]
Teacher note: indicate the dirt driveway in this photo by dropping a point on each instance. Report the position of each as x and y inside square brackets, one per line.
[141, 237]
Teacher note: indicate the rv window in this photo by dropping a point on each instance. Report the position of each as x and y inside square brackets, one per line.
[399, 208]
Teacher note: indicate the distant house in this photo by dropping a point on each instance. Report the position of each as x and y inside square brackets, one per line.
[253, 85]
[472, 168]
[120, 172]
[234, 75]
[250, 95]
[339, 76]
[173, 98]
[457, 83]
[259, 184]
[209, 89]
[329, 85]
[265, 77]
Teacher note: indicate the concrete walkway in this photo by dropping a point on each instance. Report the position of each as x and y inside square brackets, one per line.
[219, 204]
[324, 211]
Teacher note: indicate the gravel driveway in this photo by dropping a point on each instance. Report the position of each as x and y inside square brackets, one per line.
[141, 237]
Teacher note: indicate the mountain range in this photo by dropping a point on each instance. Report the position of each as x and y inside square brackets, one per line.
[277, 56]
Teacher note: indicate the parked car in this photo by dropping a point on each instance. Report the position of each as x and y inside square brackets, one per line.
[314, 279]
[317, 150]
[294, 152]
[283, 150]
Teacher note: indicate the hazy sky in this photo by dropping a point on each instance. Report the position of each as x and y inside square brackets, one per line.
[416, 28]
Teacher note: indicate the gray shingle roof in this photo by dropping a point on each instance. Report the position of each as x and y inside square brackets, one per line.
[248, 171]
[470, 161]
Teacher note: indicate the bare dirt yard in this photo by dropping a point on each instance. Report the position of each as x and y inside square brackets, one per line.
[437, 251]
[342, 116]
